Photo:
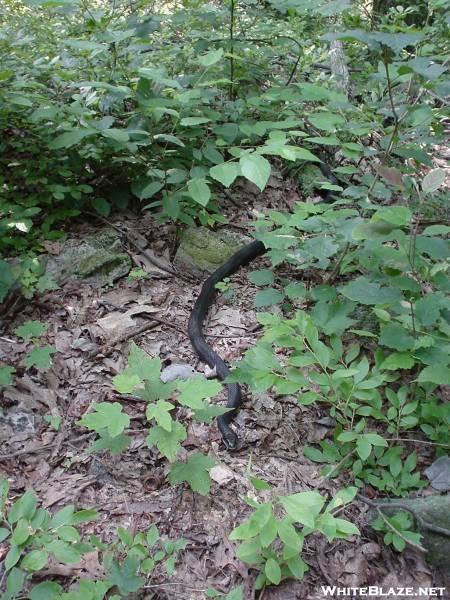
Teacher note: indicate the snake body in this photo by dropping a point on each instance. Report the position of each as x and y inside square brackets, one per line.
[195, 330]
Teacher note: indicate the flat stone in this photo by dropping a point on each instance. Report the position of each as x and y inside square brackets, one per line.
[202, 251]
[97, 259]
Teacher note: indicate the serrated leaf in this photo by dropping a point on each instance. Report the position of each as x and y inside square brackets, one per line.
[398, 360]
[256, 169]
[115, 445]
[160, 411]
[31, 329]
[41, 358]
[107, 415]
[262, 277]
[126, 382]
[167, 442]
[196, 389]
[6, 374]
[195, 472]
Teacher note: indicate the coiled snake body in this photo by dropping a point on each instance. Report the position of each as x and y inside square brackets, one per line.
[241, 258]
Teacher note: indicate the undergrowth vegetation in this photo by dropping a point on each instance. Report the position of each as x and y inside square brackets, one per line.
[158, 106]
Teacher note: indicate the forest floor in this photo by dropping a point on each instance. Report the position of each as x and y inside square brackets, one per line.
[131, 489]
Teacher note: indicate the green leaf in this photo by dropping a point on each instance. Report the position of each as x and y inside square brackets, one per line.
[31, 329]
[394, 335]
[195, 472]
[438, 374]
[6, 374]
[211, 58]
[268, 297]
[196, 389]
[226, 173]
[262, 277]
[160, 411]
[397, 215]
[64, 552]
[70, 138]
[23, 508]
[126, 382]
[365, 291]
[6, 278]
[108, 416]
[433, 181]
[47, 590]
[193, 121]
[124, 575]
[115, 445]
[199, 191]
[167, 442]
[34, 560]
[363, 448]
[102, 206]
[15, 581]
[327, 121]
[303, 507]
[272, 571]
[256, 169]
[397, 360]
[41, 358]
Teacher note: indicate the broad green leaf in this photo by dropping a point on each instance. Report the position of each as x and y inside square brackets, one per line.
[40, 357]
[397, 215]
[195, 472]
[70, 138]
[160, 411]
[303, 507]
[211, 58]
[15, 581]
[268, 297]
[394, 335]
[47, 590]
[327, 121]
[6, 374]
[397, 360]
[31, 329]
[102, 206]
[167, 442]
[438, 374]
[193, 121]
[124, 575]
[107, 415]
[34, 560]
[23, 508]
[272, 571]
[262, 277]
[433, 181]
[226, 173]
[256, 169]
[126, 382]
[365, 291]
[199, 191]
[115, 445]
[196, 389]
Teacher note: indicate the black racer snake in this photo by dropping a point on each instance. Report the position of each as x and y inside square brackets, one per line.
[241, 258]
[195, 331]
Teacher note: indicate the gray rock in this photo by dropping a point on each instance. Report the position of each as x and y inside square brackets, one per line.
[97, 259]
[439, 474]
[177, 371]
[16, 425]
[202, 251]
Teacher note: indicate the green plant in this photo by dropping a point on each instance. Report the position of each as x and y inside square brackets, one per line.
[226, 288]
[34, 536]
[142, 378]
[397, 530]
[272, 538]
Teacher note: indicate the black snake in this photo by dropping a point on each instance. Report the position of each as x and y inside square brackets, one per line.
[241, 258]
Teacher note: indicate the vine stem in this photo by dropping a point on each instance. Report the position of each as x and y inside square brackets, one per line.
[232, 17]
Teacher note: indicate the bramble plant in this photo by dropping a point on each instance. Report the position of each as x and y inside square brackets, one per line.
[35, 537]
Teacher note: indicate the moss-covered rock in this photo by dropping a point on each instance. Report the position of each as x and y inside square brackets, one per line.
[202, 251]
[97, 259]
